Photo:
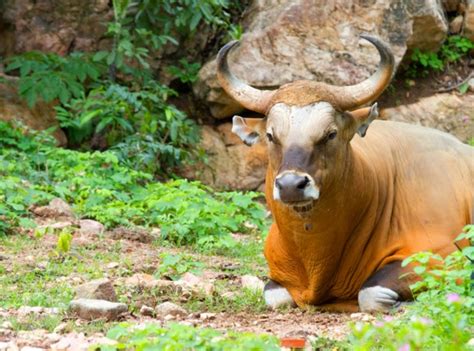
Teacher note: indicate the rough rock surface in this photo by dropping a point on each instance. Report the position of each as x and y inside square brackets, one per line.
[98, 289]
[91, 309]
[231, 164]
[90, 227]
[40, 117]
[289, 40]
[469, 20]
[53, 26]
[57, 208]
[448, 112]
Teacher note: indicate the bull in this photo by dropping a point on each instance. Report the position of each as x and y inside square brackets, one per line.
[348, 204]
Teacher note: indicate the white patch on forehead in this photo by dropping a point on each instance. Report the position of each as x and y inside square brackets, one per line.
[311, 120]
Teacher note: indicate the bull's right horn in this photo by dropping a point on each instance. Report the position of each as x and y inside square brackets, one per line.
[249, 97]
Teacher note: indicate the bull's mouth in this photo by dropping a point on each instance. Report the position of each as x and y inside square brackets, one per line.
[302, 207]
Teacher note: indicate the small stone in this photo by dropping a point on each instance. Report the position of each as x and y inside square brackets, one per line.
[112, 265]
[7, 325]
[61, 328]
[98, 289]
[147, 281]
[195, 284]
[252, 283]
[3, 257]
[207, 316]
[456, 25]
[470, 83]
[57, 208]
[169, 308]
[91, 309]
[90, 227]
[147, 311]
[27, 310]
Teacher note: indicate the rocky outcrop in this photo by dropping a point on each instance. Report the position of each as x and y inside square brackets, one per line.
[307, 39]
[447, 112]
[54, 26]
[230, 164]
[41, 117]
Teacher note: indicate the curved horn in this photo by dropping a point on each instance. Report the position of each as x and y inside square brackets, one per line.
[353, 96]
[249, 97]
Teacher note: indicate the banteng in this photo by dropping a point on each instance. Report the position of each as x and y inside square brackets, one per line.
[349, 201]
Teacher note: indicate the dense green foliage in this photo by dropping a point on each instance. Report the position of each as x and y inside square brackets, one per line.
[99, 186]
[111, 98]
[453, 49]
[175, 337]
[442, 317]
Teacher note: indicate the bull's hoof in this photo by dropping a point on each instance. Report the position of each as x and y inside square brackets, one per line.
[377, 299]
[276, 295]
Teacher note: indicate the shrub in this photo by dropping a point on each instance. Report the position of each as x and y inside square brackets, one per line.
[441, 318]
[100, 186]
[180, 337]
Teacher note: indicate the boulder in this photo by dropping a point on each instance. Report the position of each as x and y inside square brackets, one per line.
[91, 309]
[447, 112]
[320, 40]
[90, 227]
[41, 117]
[231, 164]
[57, 208]
[99, 289]
[55, 26]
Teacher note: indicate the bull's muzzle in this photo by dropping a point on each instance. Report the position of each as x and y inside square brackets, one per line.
[295, 189]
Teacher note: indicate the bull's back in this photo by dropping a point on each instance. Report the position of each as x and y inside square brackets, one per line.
[432, 177]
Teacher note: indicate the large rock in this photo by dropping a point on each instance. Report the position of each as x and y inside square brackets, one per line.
[448, 112]
[54, 26]
[314, 39]
[41, 117]
[231, 164]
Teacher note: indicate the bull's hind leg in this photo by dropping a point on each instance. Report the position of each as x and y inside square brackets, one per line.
[276, 295]
[384, 290]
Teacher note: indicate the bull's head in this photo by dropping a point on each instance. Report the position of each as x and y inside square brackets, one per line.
[308, 126]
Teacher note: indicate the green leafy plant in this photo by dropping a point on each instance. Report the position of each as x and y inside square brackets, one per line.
[180, 337]
[101, 187]
[175, 265]
[186, 72]
[441, 318]
[453, 49]
[48, 77]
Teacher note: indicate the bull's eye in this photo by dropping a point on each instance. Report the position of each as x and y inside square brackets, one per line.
[270, 137]
[332, 135]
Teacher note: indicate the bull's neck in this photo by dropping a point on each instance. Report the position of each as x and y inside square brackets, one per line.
[338, 211]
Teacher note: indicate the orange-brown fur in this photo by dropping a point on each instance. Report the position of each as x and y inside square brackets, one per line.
[405, 189]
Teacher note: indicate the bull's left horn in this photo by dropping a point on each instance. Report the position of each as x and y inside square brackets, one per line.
[249, 97]
[353, 96]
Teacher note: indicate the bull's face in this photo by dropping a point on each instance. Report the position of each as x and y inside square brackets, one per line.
[308, 125]
[307, 147]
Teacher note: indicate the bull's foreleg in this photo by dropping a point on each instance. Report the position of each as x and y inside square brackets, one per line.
[384, 290]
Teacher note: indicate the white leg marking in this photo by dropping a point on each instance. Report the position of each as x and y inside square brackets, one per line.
[276, 193]
[277, 297]
[377, 299]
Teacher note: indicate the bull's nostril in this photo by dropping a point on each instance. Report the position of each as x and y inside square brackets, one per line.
[303, 183]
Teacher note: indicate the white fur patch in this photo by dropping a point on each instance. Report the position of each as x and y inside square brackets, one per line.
[377, 299]
[276, 193]
[277, 297]
[311, 191]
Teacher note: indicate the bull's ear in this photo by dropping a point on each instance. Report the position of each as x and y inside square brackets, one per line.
[248, 129]
[360, 119]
